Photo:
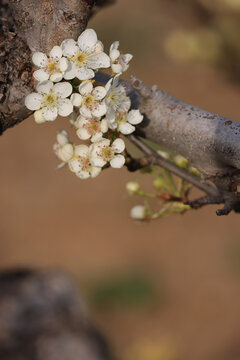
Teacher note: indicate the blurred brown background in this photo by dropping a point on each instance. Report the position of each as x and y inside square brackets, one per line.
[160, 291]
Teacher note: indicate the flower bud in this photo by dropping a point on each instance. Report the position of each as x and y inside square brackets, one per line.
[181, 161]
[138, 212]
[164, 154]
[132, 187]
[65, 153]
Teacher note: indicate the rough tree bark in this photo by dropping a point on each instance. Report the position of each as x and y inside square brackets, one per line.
[210, 142]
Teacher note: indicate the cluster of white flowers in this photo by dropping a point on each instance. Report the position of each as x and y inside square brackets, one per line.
[66, 87]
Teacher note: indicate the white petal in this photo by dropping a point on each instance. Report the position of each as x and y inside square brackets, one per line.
[109, 84]
[65, 107]
[81, 150]
[118, 161]
[69, 47]
[95, 161]
[98, 60]
[126, 128]
[118, 145]
[84, 111]
[74, 165]
[56, 52]
[71, 71]
[76, 99]
[40, 75]
[84, 73]
[110, 115]
[114, 54]
[38, 117]
[85, 87]
[99, 92]
[63, 89]
[56, 77]
[33, 101]
[114, 46]
[65, 153]
[63, 64]
[98, 47]
[50, 113]
[62, 137]
[134, 117]
[80, 121]
[44, 87]
[127, 58]
[83, 175]
[39, 59]
[95, 171]
[117, 68]
[87, 40]
[83, 134]
[104, 125]
[138, 212]
[96, 137]
[99, 110]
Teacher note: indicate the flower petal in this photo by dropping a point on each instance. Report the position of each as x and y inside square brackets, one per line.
[69, 47]
[65, 153]
[134, 117]
[76, 99]
[84, 73]
[114, 46]
[127, 57]
[104, 125]
[114, 54]
[96, 161]
[50, 113]
[87, 40]
[99, 92]
[109, 84]
[39, 59]
[56, 52]
[118, 161]
[96, 137]
[126, 128]
[44, 87]
[38, 117]
[71, 71]
[33, 101]
[62, 137]
[40, 75]
[98, 47]
[98, 60]
[99, 110]
[56, 77]
[63, 64]
[85, 87]
[84, 111]
[65, 107]
[81, 150]
[118, 145]
[95, 171]
[75, 165]
[63, 89]
[83, 175]
[83, 134]
[117, 68]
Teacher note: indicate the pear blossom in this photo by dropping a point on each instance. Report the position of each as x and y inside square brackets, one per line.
[119, 62]
[116, 99]
[102, 153]
[50, 101]
[81, 165]
[85, 56]
[124, 122]
[51, 67]
[90, 128]
[92, 104]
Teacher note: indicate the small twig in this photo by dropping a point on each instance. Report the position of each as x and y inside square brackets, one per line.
[153, 158]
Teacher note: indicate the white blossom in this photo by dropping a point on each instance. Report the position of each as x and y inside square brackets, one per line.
[119, 62]
[63, 148]
[92, 104]
[102, 153]
[124, 122]
[85, 56]
[81, 165]
[50, 101]
[116, 99]
[51, 67]
[90, 128]
[138, 212]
